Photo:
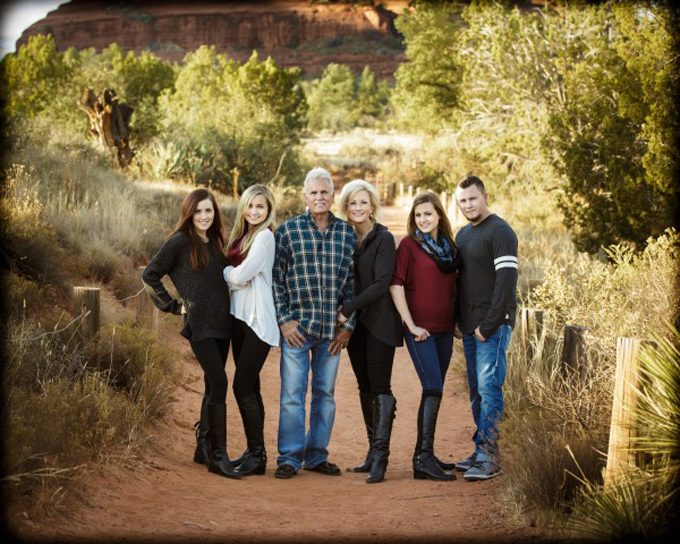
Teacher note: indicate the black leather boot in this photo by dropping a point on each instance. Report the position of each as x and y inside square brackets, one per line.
[255, 457]
[384, 408]
[219, 460]
[202, 453]
[367, 410]
[425, 466]
[237, 462]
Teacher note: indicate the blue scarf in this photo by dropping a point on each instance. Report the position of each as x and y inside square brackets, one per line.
[443, 253]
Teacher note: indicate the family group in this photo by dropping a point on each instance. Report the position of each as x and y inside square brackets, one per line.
[317, 284]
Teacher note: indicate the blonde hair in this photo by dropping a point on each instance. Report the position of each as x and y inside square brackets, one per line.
[351, 189]
[444, 224]
[242, 227]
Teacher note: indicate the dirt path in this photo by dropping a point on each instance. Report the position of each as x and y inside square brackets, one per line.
[174, 499]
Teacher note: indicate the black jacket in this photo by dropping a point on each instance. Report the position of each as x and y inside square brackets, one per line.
[374, 264]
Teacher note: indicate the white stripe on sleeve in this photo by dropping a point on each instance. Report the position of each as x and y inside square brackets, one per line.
[506, 261]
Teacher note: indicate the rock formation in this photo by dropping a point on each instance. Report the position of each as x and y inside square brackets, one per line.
[292, 32]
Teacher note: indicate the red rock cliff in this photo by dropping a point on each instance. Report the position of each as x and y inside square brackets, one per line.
[292, 32]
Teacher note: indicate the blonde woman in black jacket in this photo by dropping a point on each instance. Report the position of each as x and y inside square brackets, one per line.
[378, 331]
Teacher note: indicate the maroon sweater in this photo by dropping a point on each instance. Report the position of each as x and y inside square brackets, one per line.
[430, 293]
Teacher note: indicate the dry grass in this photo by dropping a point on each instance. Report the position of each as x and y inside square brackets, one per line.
[556, 429]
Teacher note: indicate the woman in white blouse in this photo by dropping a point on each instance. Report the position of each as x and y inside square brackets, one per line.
[250, 255]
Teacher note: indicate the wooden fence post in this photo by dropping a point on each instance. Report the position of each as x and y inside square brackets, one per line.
[147, 313]
[623, 406]
[531, 320]
[86, 304]
[574, 352]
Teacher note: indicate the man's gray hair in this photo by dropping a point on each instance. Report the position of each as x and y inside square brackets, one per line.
[318, 173]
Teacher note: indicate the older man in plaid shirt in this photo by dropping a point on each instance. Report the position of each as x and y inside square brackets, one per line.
[313, 277]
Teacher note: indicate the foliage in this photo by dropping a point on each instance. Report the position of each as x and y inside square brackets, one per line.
[339, 100]
[579, 94]
[611, 140]
[222, 115]
[640, 289]
[42, 82]
[34, 77]
[429, 84]
[331, 99]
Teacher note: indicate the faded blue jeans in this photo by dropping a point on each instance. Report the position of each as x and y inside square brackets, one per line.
[486, 366]
[295, 447]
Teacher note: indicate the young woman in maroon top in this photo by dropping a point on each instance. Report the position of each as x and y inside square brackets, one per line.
[423, 289]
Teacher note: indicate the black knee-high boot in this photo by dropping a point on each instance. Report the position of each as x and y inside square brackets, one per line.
[202, 453]
[384, 408]
[237, 462]
[255, 458]
[367, 411]
[219, 460]
[425, 466]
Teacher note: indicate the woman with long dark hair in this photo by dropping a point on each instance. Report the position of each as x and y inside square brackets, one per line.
[193, 258]
[378, 331]
[250, 254]
[423, 289]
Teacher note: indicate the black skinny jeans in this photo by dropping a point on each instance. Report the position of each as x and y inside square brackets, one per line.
[212, 356]
[250, 354]
[371, 361]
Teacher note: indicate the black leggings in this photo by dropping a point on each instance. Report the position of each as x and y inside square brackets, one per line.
[371, 361]
[212, 356]
[250, 354]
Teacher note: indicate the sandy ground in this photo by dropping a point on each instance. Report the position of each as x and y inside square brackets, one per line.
[172, 499]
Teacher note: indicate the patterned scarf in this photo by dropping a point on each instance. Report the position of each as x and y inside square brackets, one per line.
[443, 253]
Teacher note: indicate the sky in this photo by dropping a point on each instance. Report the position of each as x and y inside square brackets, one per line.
[16, 16]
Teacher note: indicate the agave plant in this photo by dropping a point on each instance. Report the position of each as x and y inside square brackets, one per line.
[658, 410]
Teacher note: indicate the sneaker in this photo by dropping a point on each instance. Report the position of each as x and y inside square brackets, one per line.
[468, 463]
[285, 472]
[483, 470]
[329, 469]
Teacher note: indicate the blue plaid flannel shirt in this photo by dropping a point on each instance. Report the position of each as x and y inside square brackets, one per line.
[314, 274]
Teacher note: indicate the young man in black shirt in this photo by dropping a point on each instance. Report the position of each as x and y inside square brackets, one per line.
[487, 302]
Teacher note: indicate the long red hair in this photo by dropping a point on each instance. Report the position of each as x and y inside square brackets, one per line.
[199, 253]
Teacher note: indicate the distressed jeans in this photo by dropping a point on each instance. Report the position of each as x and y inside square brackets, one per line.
[486, 367]
[295, 447]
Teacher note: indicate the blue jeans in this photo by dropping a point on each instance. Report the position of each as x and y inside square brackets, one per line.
[431, 358]
[296, 448]
[486, 366]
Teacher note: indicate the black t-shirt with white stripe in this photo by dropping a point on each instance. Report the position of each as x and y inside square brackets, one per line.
[487, 295]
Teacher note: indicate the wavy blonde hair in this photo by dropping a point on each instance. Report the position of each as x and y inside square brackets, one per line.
[242, 227]
[351, 189]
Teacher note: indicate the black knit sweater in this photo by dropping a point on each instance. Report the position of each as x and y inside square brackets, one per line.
[203, 292]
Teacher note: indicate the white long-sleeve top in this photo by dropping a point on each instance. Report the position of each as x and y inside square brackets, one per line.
[252, 300]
